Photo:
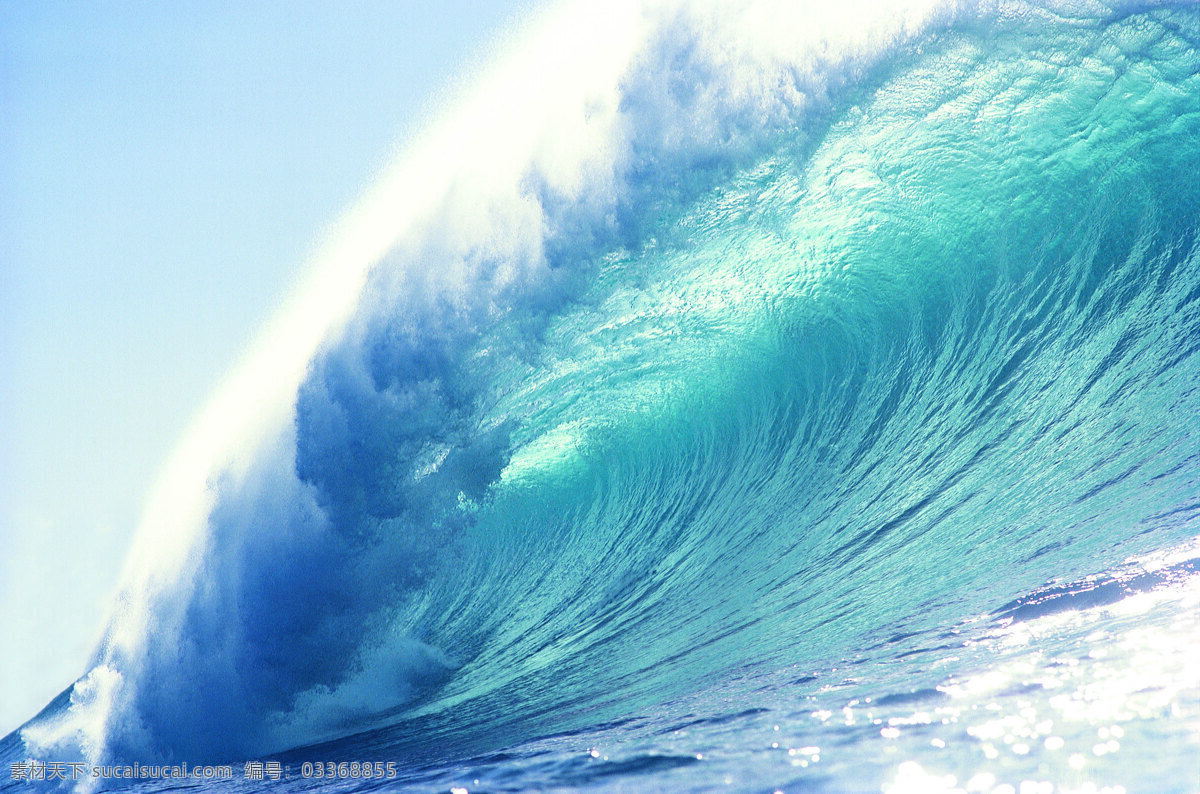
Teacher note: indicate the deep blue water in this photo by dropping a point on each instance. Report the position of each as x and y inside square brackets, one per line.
[762, 398]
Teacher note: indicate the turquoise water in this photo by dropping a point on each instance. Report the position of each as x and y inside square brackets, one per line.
[818, 413]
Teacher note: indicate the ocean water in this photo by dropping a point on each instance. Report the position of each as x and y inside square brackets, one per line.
[727, 397]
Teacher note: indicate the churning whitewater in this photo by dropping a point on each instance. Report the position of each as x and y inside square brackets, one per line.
[728, 396]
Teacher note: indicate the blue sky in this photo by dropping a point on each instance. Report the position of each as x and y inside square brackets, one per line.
[168, 169]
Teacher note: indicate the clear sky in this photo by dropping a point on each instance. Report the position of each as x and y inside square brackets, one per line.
[166, 169]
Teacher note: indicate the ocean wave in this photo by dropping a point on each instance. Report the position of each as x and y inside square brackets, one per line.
[705, 337]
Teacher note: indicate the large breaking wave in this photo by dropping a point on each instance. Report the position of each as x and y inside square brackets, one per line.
[704, 336]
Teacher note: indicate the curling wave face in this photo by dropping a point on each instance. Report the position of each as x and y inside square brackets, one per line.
[754, 337]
